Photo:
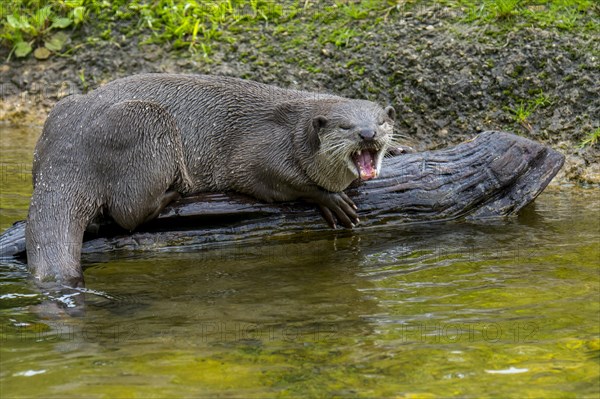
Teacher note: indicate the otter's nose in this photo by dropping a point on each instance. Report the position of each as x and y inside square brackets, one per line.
[367, 134]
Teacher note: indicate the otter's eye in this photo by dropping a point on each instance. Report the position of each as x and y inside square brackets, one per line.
[345, 127]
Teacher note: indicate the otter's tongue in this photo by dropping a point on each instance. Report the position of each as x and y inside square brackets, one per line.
[366, 165]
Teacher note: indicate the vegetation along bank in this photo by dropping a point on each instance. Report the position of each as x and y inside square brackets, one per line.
[451, 68]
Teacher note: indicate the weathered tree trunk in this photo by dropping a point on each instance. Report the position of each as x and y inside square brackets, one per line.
[495, 174]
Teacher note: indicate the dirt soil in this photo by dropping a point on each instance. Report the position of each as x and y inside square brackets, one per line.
[447, 81]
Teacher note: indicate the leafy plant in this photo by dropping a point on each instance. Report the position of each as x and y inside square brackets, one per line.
[30, 24]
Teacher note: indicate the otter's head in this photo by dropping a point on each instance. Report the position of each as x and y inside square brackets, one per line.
[353, 136]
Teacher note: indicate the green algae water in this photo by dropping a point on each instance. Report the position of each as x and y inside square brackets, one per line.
[502, 308]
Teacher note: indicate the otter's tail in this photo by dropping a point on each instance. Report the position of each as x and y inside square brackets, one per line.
[12, 241]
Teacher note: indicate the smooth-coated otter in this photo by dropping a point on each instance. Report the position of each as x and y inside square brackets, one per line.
[128, 148]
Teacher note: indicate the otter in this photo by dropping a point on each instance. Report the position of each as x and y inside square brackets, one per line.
[128, 148]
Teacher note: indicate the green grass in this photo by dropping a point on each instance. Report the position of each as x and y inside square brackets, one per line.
[26, 25]
[196, 25]
[508, 14]
[592, 138]
[44, 27]
[522, 111]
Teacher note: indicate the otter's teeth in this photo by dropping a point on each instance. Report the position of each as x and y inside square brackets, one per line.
[365, 164]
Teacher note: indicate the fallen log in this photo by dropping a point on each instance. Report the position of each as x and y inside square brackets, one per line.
[493, 175]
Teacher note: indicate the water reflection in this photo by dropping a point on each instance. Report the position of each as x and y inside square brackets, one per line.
[508, 307]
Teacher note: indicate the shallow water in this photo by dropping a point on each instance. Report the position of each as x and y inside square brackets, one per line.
[505, 308]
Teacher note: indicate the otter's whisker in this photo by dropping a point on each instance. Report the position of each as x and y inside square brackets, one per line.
[397, 140]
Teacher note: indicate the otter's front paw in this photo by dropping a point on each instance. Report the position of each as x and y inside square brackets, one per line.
[340, 205]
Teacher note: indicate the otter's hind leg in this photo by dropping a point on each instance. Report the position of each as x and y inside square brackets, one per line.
[145, 169]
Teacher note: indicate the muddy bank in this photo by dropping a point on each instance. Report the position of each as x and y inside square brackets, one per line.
[446, 79]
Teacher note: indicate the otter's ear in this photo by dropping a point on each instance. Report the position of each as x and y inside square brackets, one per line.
[319, 122]
[314, 141]
[391, 112]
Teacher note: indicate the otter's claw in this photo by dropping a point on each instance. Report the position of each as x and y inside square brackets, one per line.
[342, 206]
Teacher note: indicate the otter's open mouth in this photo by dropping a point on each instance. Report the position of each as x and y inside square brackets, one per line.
[365, 161]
